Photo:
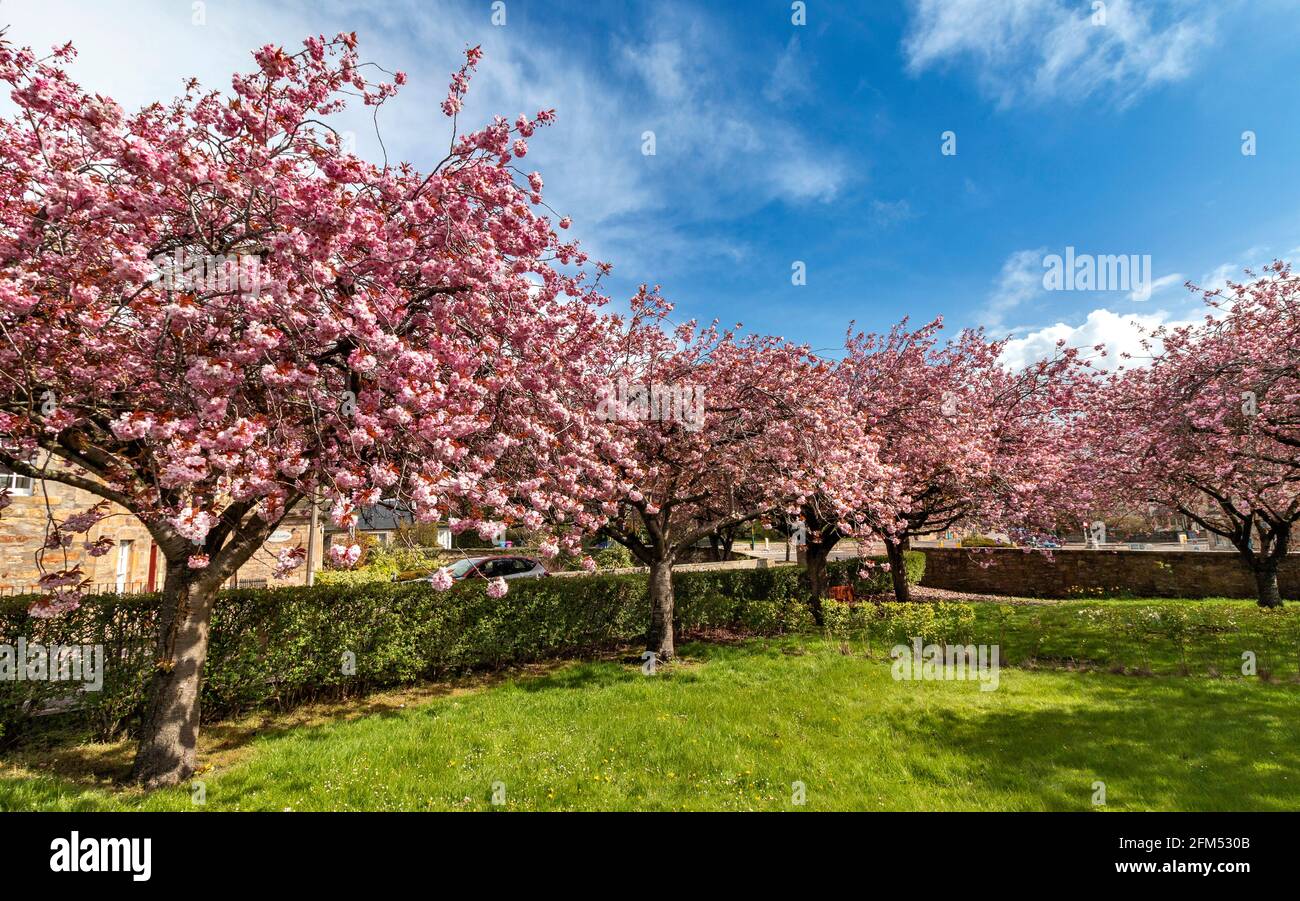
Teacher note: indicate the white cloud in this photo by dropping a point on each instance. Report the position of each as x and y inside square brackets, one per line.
[736, 154]
[1157, 285]
[1124, 332]
[888, 213]
[1256, 260]
[1020, 286]
[1045, 49]
[729, 154]
[1218, 277]
[1121, 333]
[791, 79]
[1020, 281]
[660, 65]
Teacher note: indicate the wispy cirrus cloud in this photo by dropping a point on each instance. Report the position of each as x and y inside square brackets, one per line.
[1020, 280]
[716, 143]
[888, 213]
[742, 154]
[1163, 283]
[1040, 50]
[791, 79]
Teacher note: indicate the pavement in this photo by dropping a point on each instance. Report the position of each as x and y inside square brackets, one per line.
[776, 551]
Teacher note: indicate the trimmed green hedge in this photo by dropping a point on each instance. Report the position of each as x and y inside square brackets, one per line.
[878, 581]
[279, 647]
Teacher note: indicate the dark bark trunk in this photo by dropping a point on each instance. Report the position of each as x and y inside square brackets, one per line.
[720, 545]
[660, 636]
[898, 568]
[170, 732]
[816, 554]
[1265, 559]
[1266, 583]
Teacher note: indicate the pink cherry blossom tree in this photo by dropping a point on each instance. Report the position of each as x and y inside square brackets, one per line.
[1211, 428]
[709, 431]
[967, 440]
[211, 311]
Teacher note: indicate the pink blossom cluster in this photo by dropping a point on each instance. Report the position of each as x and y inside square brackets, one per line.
[417, 335]
[430, 338]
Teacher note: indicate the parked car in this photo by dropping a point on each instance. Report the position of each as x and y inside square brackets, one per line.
[1049, 544]
[482, 568]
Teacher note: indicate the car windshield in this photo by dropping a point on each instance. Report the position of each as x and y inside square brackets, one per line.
[462, 568]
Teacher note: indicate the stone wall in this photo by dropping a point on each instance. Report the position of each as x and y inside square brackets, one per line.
[22, 533]
[1083, 573]
[293, 530]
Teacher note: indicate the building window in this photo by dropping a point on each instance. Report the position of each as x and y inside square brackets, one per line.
[19, 486]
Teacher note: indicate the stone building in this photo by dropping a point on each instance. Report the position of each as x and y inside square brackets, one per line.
[134, 563]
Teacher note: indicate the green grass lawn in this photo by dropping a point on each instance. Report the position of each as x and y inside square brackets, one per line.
[732, 727]
[1208, 639]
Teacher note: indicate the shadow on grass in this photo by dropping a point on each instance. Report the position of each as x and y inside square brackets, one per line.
[56, 756]
[1170, 744]
[582, 676]
[1163, 742]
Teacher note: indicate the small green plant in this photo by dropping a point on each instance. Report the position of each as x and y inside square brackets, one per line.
[1001, 616]
[1176, 626]
[614, 557]
[1281, 629]
[984, 541]
[1034, 627]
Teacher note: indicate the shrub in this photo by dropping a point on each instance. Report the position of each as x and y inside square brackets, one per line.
[878, 580]
[899, 623]
[122, 624]
[282, 646]
[363, 575]
[614, 557]
[984, 541]
[763, 601]
[382, 563]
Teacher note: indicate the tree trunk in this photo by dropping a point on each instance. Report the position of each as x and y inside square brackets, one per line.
[715, 549]
[660, 637]
[1266, 583]
[170, 733]
[816, 553]
[898, 568]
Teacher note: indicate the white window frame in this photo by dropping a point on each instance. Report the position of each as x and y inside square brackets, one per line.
[18, 485]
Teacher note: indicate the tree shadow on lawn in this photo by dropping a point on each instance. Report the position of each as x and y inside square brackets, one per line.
[1163, 744]
[607, 674]
[1037, 743]
[581, 676]
[50, 760]
[56, 753]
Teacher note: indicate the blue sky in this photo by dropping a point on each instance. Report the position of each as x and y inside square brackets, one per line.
[821, 143]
